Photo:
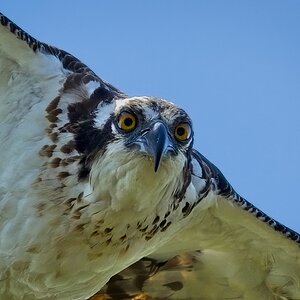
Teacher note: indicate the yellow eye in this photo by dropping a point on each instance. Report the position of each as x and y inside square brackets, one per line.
[127, 121]
[182, 132]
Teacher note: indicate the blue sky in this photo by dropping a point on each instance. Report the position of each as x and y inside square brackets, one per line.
[233, 65]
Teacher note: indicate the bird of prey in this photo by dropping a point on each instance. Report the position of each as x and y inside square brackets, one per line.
[101, 191]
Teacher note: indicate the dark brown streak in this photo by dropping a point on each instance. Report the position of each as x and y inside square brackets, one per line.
[53, 104]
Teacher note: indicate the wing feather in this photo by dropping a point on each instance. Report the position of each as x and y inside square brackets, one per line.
[42, 90]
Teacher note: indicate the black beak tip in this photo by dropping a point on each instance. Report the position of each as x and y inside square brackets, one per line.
[156, 165]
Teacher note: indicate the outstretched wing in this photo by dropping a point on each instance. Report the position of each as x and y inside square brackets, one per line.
[231, 250]
[42, 90]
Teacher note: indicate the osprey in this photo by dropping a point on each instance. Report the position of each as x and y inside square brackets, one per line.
[103, 191]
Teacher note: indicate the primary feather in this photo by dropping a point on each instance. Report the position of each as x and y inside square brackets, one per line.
[94, 181]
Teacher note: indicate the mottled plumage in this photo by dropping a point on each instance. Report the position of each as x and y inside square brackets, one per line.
[103, 191]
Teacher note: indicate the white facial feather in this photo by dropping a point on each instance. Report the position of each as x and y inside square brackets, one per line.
[103, 113]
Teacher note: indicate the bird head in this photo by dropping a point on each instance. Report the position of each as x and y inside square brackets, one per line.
[152, 128]
[135, 146]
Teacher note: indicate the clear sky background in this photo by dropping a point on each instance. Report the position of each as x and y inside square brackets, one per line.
[234, 66]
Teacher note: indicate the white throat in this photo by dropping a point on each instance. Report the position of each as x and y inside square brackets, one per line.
[126, 180]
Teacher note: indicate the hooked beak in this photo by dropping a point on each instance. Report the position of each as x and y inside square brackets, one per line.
[157, 143]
